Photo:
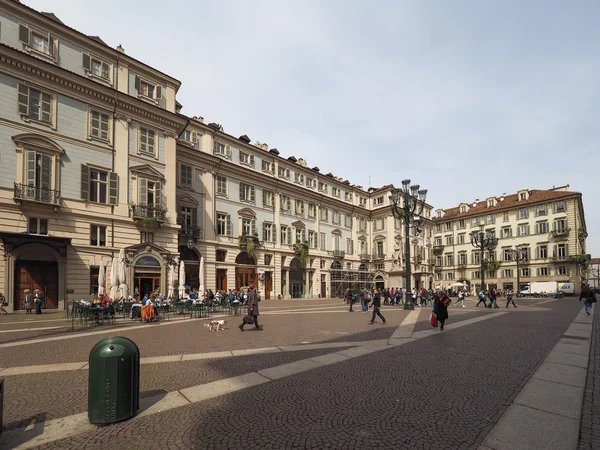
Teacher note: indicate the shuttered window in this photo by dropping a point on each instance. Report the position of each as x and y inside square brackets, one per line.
[96, 67]
[99, 186]
[147, 141]
[40, 42]
[100, 125]
[35, 104]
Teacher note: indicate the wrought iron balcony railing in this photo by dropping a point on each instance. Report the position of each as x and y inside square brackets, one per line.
[563, 232]
[438, 248]
[364, 256]
[339, 253]
[146, 211]
[378, 256]
[36, 194]
[194, 232]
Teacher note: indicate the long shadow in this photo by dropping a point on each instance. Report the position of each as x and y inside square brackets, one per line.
[34, 427]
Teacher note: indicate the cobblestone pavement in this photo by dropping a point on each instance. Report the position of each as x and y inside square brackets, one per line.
[589, 438]
[441, 392]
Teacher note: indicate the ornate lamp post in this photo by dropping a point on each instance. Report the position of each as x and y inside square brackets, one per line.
[482, 240]
[518, 257]
[407, 205]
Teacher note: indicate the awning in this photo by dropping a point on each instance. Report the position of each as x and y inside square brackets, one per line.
[12, 241]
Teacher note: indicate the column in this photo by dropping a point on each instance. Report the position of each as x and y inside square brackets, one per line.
[307, 284]
[286, 294]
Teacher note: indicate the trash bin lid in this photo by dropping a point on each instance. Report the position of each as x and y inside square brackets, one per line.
[111, 351]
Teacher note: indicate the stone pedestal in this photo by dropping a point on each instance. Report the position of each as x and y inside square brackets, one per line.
[396, 278]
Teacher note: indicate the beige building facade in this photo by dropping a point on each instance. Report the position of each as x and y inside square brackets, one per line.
[546, 227]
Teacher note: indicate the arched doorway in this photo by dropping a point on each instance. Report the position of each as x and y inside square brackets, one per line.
[297, 279]
[379, 282]
[245, 270]
[36, 267]
[147, 276]
[192, 266]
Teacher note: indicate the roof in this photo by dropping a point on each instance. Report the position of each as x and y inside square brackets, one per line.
[509, 202]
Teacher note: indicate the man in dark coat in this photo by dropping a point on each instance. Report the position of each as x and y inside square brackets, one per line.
[440, 308]
[252, 309]
[376, 307]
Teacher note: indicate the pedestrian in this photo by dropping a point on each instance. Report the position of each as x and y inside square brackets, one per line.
[364, 300]
[509, 298]
[376, 303]
[440, 308]
[39, 300]
[588, 296]
[481, 299]
[253, 300]
[28, 300]
[493, 294]
[351, 296]
[3, 303]
[461, 299]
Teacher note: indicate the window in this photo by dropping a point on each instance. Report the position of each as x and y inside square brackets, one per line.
[99, 125]
[349, 246]
[188, 217]
[522, 213]
[397, 224]
[267, 166]
[347, 220]
[221, 149]
[438, 276]
[541, 210]
[147, 141]
[463, 209]
[221, 255]
[96, 67]
[312, 239]
[36, 105]
[461, 238]
[525, 272]
[462, 258]
[560, 225]
[379, 224]
[438, 261]
[323, 187]
[335, 192]
[474, 222]
[505, 233]
[542, 227]
[223, 224]
[299, 207]
[505, 216]
[146, 237]
[298, 178]
[38, 41]
[335, 218]
[378, 201]
[462, 223]
[38, 226]
[300, 235]
[507, 273]
[283, 173]
[323, 214]
[268, 199]
[249, 226]
[246, 159]
[449, 276]
[449, 260]
[348, 196]
[491, 218]
[246, 193]
[476, 258]
[99, 186]
[221, 186]
[438, 242]
[543, 252]
[286, 235]
[94, 275]
[362, 224]
[286, 203]
[562, 270]
[507, 254]
[476, 275]
[378, 250]
[559, 206]
[185, 174]
[322, 241]
[448, 226]
[523, 230]
[150, 193]
[268, 232]
[312, 210]
[148, 90]
[449, 240]
[363, 202]
[98, 235]
[561, 251]
[543, 272]
[490, 203]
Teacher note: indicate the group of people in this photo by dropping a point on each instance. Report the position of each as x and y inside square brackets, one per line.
[492, 295]
[29, 299]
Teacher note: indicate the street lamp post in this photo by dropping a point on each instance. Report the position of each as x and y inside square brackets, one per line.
[407, 205]
[482, 240]
[518, 257]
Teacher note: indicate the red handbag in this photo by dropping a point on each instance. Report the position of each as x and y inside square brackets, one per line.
[434, 322]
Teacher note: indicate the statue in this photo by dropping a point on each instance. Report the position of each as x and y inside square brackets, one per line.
[396, 255]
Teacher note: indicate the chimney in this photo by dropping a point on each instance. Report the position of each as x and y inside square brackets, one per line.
[120, 49]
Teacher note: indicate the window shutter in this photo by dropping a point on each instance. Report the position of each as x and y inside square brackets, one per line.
[158, 92]
[193, 138]
[229, 226]
[52, 46]
[46, 171]
[251, 159]
[113, 188]
[228, 151]
[253, 226]
[23, 100]
[30, 168]
[158, 200]
[85, 182]
[137, 83]
[264, 232]
[87, 62]
[252, 194]
[195, 217]
[143, 191]
[528, 229]
[242, 192]
[24, 34]
[273, 233]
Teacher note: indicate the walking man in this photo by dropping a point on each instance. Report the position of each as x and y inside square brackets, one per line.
[509, 298]
[461, 299]
[252, 308]
[481, 299]
[376, 307]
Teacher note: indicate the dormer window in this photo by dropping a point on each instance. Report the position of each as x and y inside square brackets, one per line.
[523, 195]
[439, 214]
[38, 42]
[95, 67]
[463, 209]
[491, 203]
[148, 90]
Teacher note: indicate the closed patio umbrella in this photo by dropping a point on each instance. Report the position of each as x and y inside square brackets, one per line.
[101, 278]
[171, 282]
[122, 277]
[181, 279]
[114, 279]
[201, 276]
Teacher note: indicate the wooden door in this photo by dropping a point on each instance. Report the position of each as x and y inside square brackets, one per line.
[244, 277]
[268, 284]
[36, 275]
[222, 279]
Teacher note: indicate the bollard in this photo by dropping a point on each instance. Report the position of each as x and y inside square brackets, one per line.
[114, 381]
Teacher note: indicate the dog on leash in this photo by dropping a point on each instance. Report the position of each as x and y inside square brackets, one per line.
[216, 325]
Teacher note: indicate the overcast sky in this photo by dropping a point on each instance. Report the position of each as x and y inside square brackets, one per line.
[469, 99]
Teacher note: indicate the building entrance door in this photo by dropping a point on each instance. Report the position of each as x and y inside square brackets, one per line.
[245, 276]
[146, 284]
[268, 284]
[222, 279]
[36, 275]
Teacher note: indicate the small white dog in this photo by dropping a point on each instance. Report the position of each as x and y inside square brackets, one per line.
[216, 324]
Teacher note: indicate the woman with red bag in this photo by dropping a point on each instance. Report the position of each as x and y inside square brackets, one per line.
[440, 308]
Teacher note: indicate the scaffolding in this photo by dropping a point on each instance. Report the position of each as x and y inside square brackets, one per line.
[343, 279]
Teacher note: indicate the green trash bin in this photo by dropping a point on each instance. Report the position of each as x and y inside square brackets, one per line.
[114, 381]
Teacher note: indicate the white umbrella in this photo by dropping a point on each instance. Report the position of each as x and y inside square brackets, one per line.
[122, 278]
[171, 282]
[181, 279]
[201, 275]
[114, 279]
[101, 279]
[457, 284]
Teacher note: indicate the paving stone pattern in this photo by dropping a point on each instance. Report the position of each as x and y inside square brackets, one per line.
[442, 392]
[589, 437]
[65, 393]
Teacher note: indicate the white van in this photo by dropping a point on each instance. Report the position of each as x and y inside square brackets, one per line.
[567, 288]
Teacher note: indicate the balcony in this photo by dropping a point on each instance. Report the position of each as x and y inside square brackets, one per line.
[340, 254]
[193, 232]
[559, 258]
[492, 242]
[437, 249]
[23, 192]
[562, 233]
[149, 216]
[364, 256]
[377, 256]
[462, 267]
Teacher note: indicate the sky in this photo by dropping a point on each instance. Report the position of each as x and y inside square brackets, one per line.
[468, 98]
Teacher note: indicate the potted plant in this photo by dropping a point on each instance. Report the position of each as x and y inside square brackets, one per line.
[150, 222]
[248, 243]
[301, 251]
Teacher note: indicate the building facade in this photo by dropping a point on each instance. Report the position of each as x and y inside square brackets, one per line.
[96, 158]
[546, 227]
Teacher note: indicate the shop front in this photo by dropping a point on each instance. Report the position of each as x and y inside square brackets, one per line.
[147, 269]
